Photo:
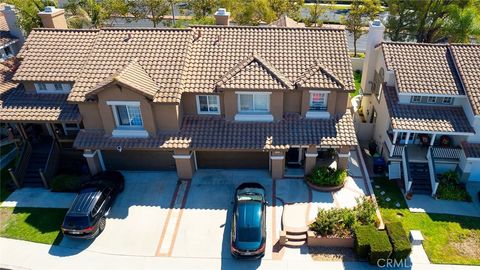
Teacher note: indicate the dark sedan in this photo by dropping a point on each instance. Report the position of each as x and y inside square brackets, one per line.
[248, 225]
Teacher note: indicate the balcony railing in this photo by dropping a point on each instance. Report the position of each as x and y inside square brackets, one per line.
[446, 152]
[394, 150]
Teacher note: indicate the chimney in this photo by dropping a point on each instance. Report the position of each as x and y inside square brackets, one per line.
[374, 37]
[53, 18]
[222, 17]
[11, 19]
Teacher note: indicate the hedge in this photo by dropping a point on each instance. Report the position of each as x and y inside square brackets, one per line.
[362, 240]
[399, 239]
[380, 247]
[66, 183]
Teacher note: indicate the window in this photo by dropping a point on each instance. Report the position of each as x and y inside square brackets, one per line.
[447, 100]
[41, 87]
[318, 101]
[128, 116]
[416, 99]
[208, 104]
[256, 102]
[432, 100]
[58, 86]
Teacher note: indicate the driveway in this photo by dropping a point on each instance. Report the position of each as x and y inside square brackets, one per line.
[204, 230]
[136, 219]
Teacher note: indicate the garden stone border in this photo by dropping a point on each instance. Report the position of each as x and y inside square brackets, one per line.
[323, 189]
[318, 241]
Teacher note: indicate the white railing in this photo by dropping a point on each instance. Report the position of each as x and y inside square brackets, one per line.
[393, 149]
[406, 173]
[431, 169]
[446, 152]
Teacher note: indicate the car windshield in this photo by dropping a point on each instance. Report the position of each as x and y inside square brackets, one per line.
[80, 221]
[249, 196]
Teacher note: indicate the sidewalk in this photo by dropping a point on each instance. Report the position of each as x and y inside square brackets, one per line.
[39, 197]
[16, 254]
[426, 204]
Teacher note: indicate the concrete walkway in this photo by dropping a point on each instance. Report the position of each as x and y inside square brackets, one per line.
[39, 197]
[427, 204]
[16, 254]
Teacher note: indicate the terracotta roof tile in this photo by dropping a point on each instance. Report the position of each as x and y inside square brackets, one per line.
[472, 150]
[17, 105]
[467, 59]
[422, 68]
[210, 132]
[7, 69]
[425, 117]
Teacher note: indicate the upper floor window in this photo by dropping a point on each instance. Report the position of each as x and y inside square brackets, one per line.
[41, 87]
[416, 99]
[447, 100]
[58, 86]
[431, 99]
[318, 101]
[208, 104]
[52, 87]
[128, 119]
[253, 102]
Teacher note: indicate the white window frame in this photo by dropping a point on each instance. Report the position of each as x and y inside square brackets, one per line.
[254, 94]
[450, 100]
[50, 88]
[416, 101]
[127, 131]
[325, 100]
[431, 102]
[58, 84]
[197, 97]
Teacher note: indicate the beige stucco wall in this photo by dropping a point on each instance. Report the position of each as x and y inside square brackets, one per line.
[117, 93]
[167, 116]
[230, 104]
[292, 101]
[29, 87]
[90, 115]
[276, 105]
[341, 103]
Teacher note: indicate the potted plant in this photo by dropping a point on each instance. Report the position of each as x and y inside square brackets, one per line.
[409, 195]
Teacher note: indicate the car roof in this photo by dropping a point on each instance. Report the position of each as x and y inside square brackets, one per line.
[85, 201]
[249, 214]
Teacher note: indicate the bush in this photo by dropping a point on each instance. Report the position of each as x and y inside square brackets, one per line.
[450, 189]
[366, 210]
[399, 239]
[380, 247]
[362, 240]
[66, 183]
[327, 177]
[337, 222]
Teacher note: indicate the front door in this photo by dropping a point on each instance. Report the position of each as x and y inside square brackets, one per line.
[294, 157]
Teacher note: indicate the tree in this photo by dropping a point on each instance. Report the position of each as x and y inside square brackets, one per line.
[462, 24]
[202, 8]
[315, 11]
[400, 20]
[28, 11]
[94, 14]
[153, 10]
[354, 21]
[289, 7]
[249, 12]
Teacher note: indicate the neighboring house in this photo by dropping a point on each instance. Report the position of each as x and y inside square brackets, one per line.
[11, 36]
[422, 103]
[186, 99]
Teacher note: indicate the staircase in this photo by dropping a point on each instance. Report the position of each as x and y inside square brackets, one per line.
[38, 160]
[420, 175]
[296, 237]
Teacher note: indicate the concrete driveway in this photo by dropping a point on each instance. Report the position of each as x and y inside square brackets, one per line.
[204, 230]
[136, 219]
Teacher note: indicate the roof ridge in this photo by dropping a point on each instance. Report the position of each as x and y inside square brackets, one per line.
[305, 76]
[266, 27]
[41, 29]
[262, 61]
[414, 43]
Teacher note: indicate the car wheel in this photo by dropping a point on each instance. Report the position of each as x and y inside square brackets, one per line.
[102, 223]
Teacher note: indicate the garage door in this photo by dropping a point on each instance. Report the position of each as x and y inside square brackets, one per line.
[475, 173]
[232, 160]
[132, 160]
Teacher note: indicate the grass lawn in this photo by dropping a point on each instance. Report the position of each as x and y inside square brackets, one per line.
[4, 182]
[357, 76]
[41, 225]
[449, 239]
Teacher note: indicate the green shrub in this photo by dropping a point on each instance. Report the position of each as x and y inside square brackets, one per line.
[380, 247]
[362, 240]
[66, 183]
[366, 210]
[399, 239]
[450, 189]
[327, 177]
[334, 222]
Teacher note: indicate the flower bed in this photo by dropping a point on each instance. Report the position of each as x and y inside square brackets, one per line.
[326, 179]
[450, 188]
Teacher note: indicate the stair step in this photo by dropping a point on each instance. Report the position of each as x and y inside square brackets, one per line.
[296, 230]
[295, 244]
[296, 237]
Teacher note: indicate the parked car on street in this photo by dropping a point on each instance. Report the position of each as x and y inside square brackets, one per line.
[86, 216]
[248, 232]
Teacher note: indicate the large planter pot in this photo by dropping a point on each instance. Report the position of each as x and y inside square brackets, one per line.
[323, 189]
[318, 241]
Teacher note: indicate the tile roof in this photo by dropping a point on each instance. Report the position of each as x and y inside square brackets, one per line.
[422, 68]
[7, 69]
[133, 76]
[467, 59]
[291, 51]
[186, 60]
[285, 21]
[252, 70]
[425, 117]
[54, 55]
[17, 105]
[211, 132]
[317, 75]
[472, 150]
[5, 36]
